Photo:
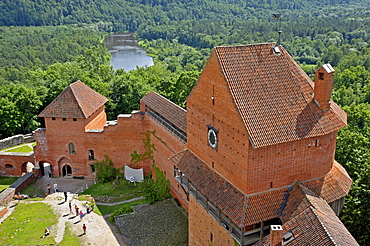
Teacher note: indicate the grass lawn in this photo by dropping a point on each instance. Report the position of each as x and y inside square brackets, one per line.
[26, 225]
[8, 180]
[5, 182]
[3, 187]
[110, 209]
[117, 190]
[23, 148]
[34, 191]
[69, 238]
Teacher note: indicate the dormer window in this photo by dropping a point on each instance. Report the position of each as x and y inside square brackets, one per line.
[71, 147]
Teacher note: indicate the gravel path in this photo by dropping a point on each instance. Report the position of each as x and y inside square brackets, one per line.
[163, 223]
[98, 232]
[121, 202]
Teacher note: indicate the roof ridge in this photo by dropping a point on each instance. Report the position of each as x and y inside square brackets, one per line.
[154, 92]
[314, 210]
[75, 97]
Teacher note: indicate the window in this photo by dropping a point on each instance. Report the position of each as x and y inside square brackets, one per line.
[91, 154]
[321, 76]
[64, 119]
[71, 147]
[74, 119]
[8, 166]
[52, 118]
[92, 169]
[212, 137]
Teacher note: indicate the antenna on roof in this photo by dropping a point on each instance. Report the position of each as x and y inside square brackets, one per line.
[277, 17]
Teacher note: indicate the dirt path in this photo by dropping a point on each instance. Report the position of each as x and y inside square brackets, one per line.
[99, 231]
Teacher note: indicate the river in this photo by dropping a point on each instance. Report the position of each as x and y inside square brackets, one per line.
[126, 53]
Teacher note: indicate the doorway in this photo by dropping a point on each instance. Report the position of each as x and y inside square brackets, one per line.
[67, 170]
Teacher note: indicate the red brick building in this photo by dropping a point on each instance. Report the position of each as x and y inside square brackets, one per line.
[254, 148]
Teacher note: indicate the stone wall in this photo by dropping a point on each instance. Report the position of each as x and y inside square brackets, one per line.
[8, 194]
[16, 140]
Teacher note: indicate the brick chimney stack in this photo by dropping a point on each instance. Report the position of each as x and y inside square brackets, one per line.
[276, 235]
[324, 79]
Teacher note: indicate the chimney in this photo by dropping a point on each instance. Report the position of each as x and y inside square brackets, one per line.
[324, 79]
[276, 235]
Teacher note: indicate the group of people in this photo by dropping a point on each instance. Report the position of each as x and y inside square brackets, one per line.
[78, 211]
[55, 188]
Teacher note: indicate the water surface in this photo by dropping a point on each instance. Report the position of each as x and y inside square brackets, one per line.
[126, 53]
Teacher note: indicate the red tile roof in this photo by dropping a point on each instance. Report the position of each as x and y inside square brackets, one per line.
[240, 208]
[167, 109]
[76, 101]
[311, 220]
[332, 186]
[274, 95]
[299, 208]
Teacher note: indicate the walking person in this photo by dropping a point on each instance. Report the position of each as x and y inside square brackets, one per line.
[81, 215]
[46, 232]
[84, 228]
[76, 209]
[49, 188]
[55, 187]
[65, 195]
[70, 207]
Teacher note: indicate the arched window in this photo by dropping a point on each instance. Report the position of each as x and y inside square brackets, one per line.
[71, 148]
[8, 166]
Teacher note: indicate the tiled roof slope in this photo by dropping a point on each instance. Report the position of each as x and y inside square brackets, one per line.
[167, 109]
[274, 95]
[230, 200]
[311, 220]
[334, 185]
[76, 101]
[299, 208]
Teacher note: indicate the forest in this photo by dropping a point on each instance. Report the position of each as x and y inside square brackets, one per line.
[46, 45]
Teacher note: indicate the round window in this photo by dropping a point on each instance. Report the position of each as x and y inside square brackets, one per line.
[212, 138]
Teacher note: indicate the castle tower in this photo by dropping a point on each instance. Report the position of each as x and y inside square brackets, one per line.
[62, 144]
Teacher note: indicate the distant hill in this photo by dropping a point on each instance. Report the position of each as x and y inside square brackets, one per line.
[120, 15]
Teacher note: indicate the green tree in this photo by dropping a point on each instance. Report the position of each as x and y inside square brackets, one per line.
[105, 170]
[19, 107]
[353, 153]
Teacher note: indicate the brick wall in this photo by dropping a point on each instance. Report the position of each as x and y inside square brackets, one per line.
[59, 134]
[204, 229]
[164, 152]
[280, 165]
[11, 165]
[8, 194]
[251, 170]
[97, 120]
[231, 157]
